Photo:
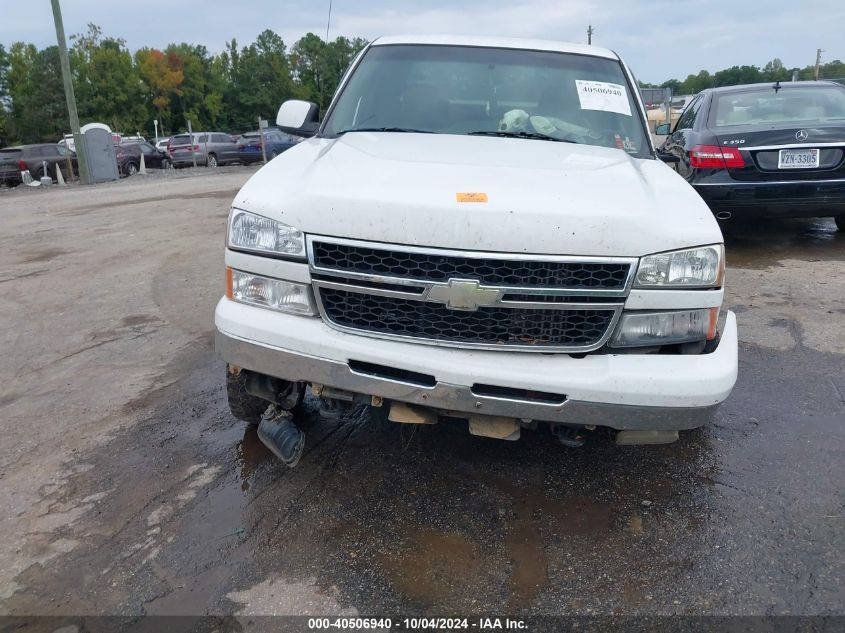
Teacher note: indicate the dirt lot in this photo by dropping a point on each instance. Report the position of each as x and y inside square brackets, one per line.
[128, 489]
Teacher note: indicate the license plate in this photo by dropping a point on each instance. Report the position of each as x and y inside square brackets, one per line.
[798, 158]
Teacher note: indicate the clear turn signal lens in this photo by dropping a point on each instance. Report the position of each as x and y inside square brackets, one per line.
[275, 294]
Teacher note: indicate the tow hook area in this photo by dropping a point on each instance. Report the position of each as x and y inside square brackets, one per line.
[572, 436]
[410, 414]
[278, 432]
[498, 428]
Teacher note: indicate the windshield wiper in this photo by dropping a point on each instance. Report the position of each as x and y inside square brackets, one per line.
[535, 135]
[385, 129]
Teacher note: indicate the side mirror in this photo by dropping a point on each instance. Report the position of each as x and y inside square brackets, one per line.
[298, 117]
[664, 129]
[666, 157]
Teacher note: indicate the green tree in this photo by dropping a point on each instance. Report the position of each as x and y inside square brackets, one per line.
[37, 96]
[696, 83]
[318, 67]
[257, 80]
[674, 84]
[107, 83]
[161, 82]
[737, 75]
[775, 71]
[196, 100]
[5, 98]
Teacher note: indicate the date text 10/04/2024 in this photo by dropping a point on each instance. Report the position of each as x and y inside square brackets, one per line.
[417, 624]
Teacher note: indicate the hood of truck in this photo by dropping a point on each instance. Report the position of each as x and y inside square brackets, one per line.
[481, 193]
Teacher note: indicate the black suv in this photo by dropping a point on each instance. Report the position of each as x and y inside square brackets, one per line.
[39, 159]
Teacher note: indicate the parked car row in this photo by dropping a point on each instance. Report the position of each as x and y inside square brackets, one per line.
[216, 148]
[209, 148]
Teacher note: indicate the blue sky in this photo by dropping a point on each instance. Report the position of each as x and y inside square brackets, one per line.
[660, 39]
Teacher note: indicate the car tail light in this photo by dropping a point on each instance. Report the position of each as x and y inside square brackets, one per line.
[196, 148]
[715, 157]
[22, 165]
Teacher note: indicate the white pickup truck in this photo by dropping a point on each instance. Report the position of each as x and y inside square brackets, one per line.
[479, 229]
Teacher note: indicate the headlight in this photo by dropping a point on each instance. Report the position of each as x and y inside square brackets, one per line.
[701, 267]
[256, 233]
[665, 328]
[284, 296]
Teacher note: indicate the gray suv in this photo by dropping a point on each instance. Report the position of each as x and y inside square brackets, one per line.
[210, 148]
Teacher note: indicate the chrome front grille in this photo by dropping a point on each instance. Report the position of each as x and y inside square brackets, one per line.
[427, 265]
[468, 299]
[502, 327]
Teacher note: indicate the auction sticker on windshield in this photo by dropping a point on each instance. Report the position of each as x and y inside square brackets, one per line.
[602, 95]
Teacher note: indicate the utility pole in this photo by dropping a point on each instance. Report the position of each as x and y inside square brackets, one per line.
[818, 62]
[262, 123]
[328, 21]
[590, 32]
[82, 163]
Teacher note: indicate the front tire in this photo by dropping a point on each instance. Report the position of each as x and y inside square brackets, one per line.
[243, 405]
[131, 169]
[840, 222]
[212, 160]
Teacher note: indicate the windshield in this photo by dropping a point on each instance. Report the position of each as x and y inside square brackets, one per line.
[536, 95]
[786, 105]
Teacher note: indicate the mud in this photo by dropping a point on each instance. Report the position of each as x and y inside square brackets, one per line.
[153, 500]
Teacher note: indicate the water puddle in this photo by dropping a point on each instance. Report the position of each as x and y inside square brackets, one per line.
[434, 567]
[767, 242]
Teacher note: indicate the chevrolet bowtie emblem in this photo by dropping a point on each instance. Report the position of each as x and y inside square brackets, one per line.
[463, 294]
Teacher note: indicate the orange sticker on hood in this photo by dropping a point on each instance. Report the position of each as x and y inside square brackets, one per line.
[471, 197]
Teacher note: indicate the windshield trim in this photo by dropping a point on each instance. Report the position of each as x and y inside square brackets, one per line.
[626, 72]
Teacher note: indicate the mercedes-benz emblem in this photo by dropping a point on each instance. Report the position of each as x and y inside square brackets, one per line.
[802, 135]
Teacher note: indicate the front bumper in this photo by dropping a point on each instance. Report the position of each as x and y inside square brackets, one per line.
[621, 391]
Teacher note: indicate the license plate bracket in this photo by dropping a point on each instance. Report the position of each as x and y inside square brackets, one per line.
[798, 158]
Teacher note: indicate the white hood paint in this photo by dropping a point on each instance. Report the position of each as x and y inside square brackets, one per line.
[544, 197]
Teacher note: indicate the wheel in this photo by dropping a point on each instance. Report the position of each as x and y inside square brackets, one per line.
[840, 222]
[273, 154]
[244, 406]
[131, 169]
[212, 160]
[166, 164]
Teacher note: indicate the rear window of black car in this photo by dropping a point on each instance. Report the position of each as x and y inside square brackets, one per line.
[8, 155]
[764, 106]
